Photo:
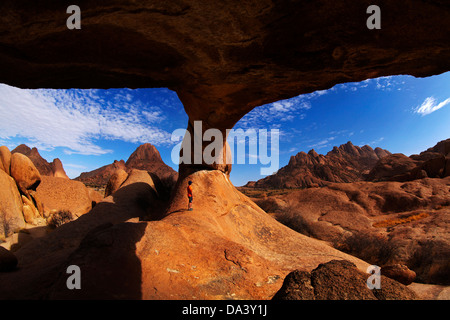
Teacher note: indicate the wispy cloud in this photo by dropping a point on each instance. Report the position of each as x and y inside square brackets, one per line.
[373, 143]
[77, 119]
[430, 105]
[273, 114]
[322, 143]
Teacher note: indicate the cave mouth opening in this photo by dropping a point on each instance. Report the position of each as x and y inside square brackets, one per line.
[90, 128]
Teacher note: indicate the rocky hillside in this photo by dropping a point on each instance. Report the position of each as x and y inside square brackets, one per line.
[99, 177]
[145, 157]
[400, 216]
[346, 163]
[433, 163]
[52, 169]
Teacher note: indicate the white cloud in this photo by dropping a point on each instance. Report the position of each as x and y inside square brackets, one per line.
[430, 105]
[373, 143]
[323, 143]
[270, 115]
[76, 119]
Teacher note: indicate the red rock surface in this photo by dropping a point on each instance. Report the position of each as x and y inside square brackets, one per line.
[432, 163]
[58, 194]
[409, 219]
[5, 159]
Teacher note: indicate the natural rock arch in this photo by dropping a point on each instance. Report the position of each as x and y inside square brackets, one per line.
[222, 58]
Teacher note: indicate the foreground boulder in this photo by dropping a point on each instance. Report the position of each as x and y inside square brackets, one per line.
[116, 180]
[339, 280]
[24, 173]
[59, 194]
[11, 218]
[5, 159]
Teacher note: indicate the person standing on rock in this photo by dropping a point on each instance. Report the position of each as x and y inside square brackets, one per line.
[190, 195]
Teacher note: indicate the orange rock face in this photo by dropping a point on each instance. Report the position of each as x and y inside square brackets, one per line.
[24, 172]
[11, 218]
[63, 194]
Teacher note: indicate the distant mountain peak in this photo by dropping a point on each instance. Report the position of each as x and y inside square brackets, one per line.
[54, 168]
[145, 152]
[346, 163]
[145, 157]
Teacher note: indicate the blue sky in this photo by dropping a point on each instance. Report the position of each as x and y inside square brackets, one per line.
[87, 129]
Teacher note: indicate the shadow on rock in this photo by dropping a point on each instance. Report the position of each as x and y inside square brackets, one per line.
[43, 262]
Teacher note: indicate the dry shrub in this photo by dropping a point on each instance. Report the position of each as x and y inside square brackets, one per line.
[59, 218]
[370, 247]
[393, 222]
[431, 262]
[295, 220]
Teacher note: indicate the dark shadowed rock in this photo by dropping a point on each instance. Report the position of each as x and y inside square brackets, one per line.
[296, 286]
[8, 261]
[339, 280]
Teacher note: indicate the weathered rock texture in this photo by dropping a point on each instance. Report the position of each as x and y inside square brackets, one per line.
[5, 159]
[222, 58]
[339, 280]
[59, 194]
